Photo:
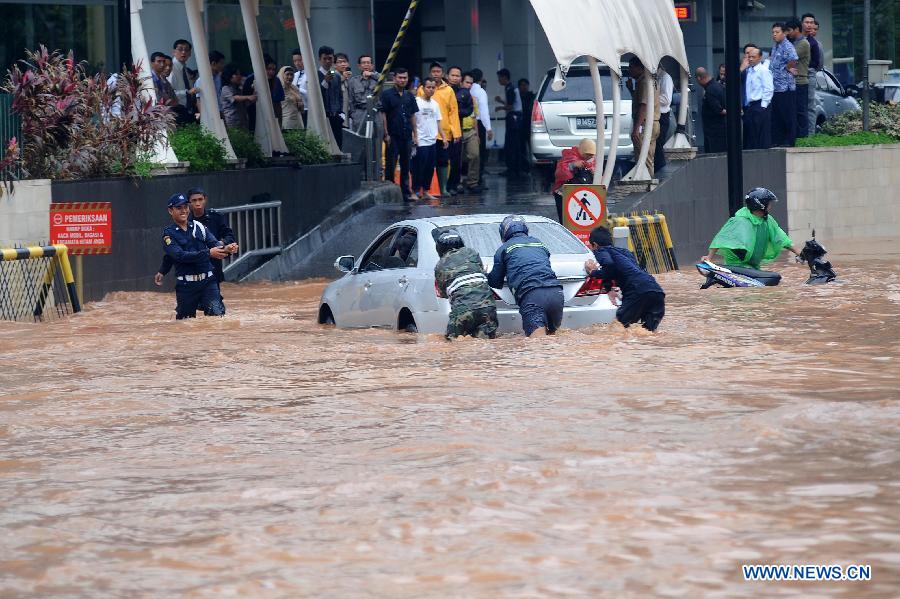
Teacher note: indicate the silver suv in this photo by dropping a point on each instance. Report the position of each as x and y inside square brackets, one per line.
[561, 119]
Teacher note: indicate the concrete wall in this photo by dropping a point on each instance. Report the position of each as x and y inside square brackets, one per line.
[139, 212]
[848, 195]
[695, 198]
[24, 215]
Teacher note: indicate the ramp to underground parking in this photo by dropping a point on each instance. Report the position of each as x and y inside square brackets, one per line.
[352, 225]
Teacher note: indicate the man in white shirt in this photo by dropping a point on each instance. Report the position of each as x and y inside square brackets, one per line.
[666, 88]
[183, 78]
[758, 87]
[485, 133]
[427, 128]
[300, 78]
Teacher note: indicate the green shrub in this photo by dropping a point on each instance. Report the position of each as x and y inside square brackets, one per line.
[860, 138]
[201, 148]
[883, 118]
[75, 125]
[306, 146]
[245, 146]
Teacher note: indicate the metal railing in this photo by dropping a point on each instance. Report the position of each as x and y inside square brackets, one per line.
[10, 126]
[257, 229]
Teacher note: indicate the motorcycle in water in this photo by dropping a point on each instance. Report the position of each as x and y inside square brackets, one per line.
[813, 254]
[820, 270]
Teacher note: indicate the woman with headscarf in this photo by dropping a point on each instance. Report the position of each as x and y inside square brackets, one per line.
[292, 105]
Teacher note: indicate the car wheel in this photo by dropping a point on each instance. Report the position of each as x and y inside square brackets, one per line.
[325, 316]
[406, 322]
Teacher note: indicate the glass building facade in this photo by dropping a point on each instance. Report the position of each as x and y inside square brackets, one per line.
[88, 28]
[848, 32]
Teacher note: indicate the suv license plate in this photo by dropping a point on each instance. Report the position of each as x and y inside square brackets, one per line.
[588, 122]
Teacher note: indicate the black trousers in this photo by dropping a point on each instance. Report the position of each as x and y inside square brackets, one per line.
[399, 149]
[784, 118]
[714, 138]
[482, 151]
[646, 308]
[512, 149]
[423, 167]
[191, 295]
[455, 165]
[757, 126]
[659, 155]
[337, 128]
[802, 103]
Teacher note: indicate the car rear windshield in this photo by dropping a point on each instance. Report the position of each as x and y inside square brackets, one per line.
[579, 87]
[485, 237]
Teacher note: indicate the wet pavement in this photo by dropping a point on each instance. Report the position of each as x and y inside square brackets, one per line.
[262, 455]
[526, 195]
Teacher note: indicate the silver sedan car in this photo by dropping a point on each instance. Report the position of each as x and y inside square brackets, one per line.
[392, 284]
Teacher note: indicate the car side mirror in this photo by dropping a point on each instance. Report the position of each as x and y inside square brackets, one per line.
[345, 263]
[852, 92]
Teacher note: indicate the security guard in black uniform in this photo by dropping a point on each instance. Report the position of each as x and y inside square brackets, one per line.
[215, 222]
[190, 246]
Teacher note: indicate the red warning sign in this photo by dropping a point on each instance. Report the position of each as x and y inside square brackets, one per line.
[584, 207]
[84, 227]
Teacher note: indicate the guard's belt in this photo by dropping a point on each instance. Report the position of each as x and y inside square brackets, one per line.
[193, 278]
[472, 279]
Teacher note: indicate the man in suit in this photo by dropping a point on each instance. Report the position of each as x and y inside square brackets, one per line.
[712, 112]
[757, 89]
[182, 78]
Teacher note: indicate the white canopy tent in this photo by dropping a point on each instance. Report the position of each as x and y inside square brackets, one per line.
[316, 121]
[162, 152]
[605, 30]
[210, 116]
[268, 131]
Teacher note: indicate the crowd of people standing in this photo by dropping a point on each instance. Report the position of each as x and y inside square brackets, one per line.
[439, 129]
[777, 91]
[438, 126]
[343, 93]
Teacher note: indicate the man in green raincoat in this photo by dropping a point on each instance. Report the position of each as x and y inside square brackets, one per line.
[751, 236]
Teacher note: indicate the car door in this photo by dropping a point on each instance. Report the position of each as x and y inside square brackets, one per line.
[397, 279]
[831, 94]
[360, 305]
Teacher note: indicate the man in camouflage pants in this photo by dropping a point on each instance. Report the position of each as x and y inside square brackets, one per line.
[459, 275]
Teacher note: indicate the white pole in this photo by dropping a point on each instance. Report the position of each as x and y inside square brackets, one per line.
[616, 127]
[209, 104]
[317, 122]
[640, 172]
[162, 152]
[268, 132]
[601, 119]
[680, 139]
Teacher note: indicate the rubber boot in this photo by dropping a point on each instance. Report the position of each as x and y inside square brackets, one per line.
[443, 173]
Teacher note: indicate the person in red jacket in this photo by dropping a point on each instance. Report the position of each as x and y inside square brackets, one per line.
[575, 166]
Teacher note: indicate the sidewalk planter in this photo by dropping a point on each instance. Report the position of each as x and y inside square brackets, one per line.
[139, 212]
[172, 168]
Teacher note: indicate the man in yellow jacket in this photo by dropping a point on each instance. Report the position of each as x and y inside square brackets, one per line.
[450, 130]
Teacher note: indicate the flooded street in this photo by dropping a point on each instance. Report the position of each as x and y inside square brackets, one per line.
[262, 455]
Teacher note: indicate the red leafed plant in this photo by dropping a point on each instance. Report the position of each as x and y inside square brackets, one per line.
[77, 126]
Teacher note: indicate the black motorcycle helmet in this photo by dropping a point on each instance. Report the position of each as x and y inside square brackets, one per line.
[448, 240]
[759, 198]
[512, 225]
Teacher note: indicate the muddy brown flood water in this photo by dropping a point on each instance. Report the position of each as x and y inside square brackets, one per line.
[261, 455]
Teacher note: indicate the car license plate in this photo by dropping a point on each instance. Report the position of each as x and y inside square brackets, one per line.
[588, 122]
